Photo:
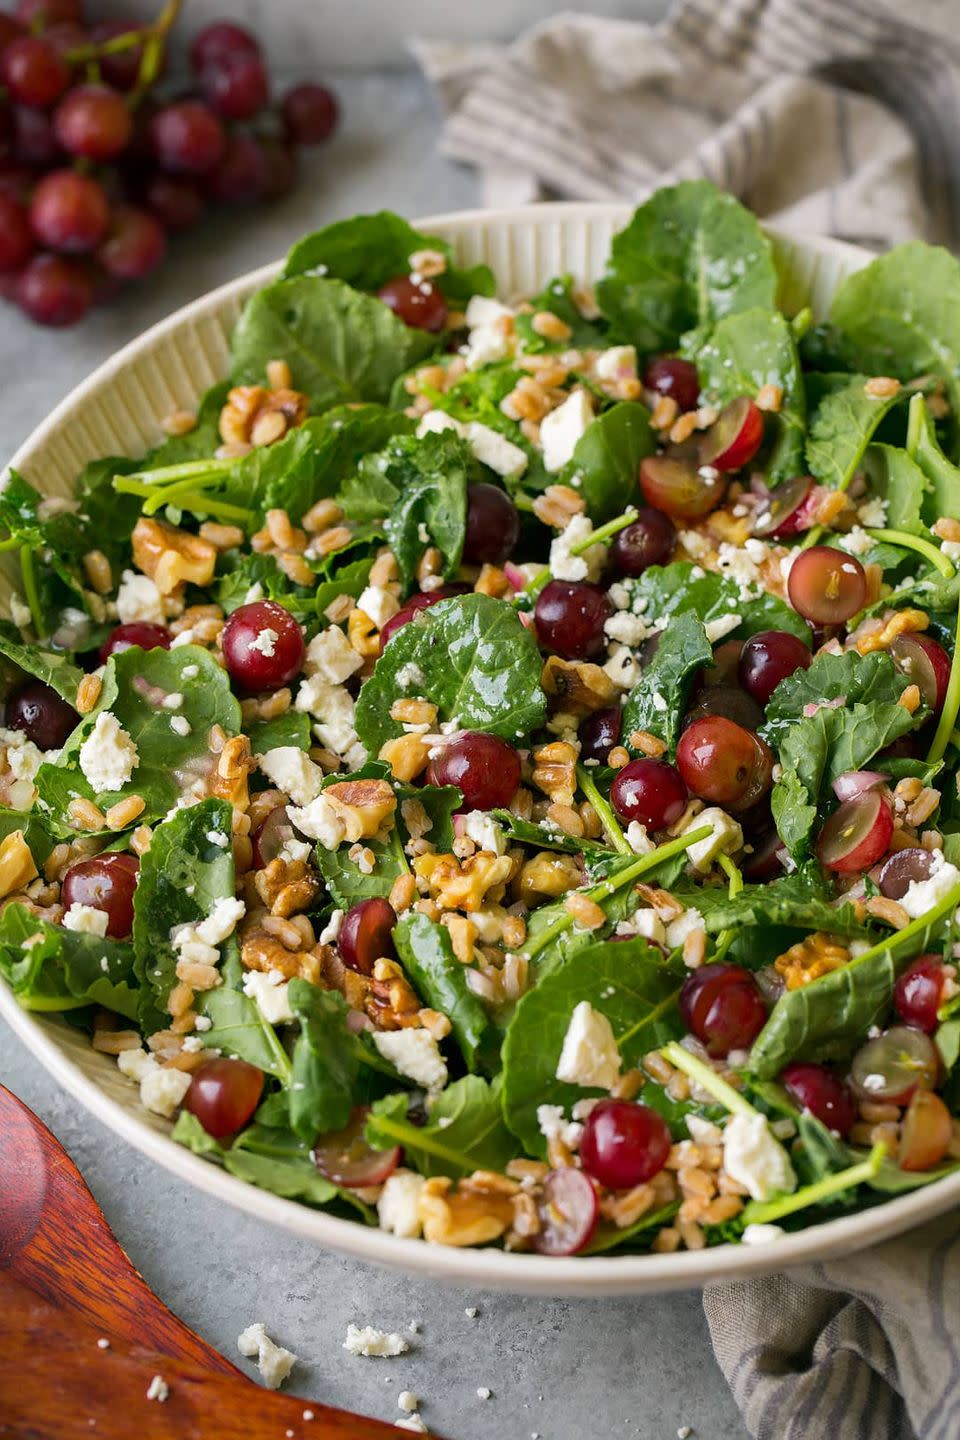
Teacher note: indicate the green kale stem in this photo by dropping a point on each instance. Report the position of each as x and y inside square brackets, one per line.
[706, 1077]
[933, 553]
[184, 496]
[735, 884]
[606, 888]
[196, 470]
[11, 543]
[604, 811]
[596, 537]
[408, 1134]
[951, 705]
[30, 589]
[764, 1212]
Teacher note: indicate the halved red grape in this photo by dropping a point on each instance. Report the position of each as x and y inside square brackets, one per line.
[310, 114]
[569, 1211]
[918, 993]
[823, 1093]
[769, 657]
[270, 836]
[135, 244]
[108, 883]
[484, 768]
[236, 86]
[680, 488]
[724, 763]
[493, 525]
[624, 1143]
[33, 71]
[187, 137]
[42, 714]
[924, 661]
[646, 541]
[926, 1132]
[93, 122]
[721, 1005]
[345, 1158]
[223, 1095]
[669, 375]
[766, 861]
[16, 237]
[262, 646]
[788, 509]
[734, 437]
[570, 616]
[826, 585]
[218, 42]
[856, 835]
[893, 1065]
[650, 791]
[418, 303]
[904, 867]
[137, 632]
[599, 733]
[366, 934]
[69, 212]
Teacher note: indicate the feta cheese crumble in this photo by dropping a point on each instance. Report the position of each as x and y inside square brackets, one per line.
[368, 1340]
[398, 1208]
[271, 994]
[265, 641]
[291, 770]
[589, 1056]
[562, 428]
[139, 601]
[273, 1361]
[108, 756]
[921, 895]
[86, 920]
[415, 1053]
[755, 1159]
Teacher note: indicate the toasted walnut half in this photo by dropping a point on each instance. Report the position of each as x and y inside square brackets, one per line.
[457, 885]
[811, 957]
[16, 863]
[170, 556]
[362, 805]
[254, 415]
[577, 685]
[457, 1217]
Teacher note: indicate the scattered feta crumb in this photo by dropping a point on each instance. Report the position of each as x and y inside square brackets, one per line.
[471, 1312]
[725, 837]
[484, 1392]
[415, 1053]
[754, 1158]
[271, 994]
[86, 920]
[162, 1090]
[637, 838]
[587, 566]
[398, 1207]
[407, 1401]
[368, 1340]
[265, 641]
[108, 756]
[723, 625]
[483, 830]
[273, 1362]
[685, 924]
[495, 451]
[921, 895]
[410, 675]
[293, 772]
[319, 821]
[379, 604]
[139, 600]
[555, 1126]
[761, 1234]
[562, 428]
[103, 1343]
[180, 725]
[589, 1056]
[158, 1389]
[412, 1422]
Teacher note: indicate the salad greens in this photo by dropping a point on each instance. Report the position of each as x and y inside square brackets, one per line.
[495, 776]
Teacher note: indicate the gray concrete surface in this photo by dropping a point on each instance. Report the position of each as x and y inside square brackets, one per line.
[558, 1369]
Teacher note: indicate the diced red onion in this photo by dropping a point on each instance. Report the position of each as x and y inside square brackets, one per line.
[857, 782]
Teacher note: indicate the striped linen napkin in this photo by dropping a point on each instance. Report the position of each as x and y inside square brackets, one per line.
[837, 117]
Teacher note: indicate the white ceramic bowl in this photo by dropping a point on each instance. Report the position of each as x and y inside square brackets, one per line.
[118, 411]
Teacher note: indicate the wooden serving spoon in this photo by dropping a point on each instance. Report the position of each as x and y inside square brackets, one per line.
[66, 1286]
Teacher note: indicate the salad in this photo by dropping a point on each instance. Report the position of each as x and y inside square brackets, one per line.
[492, 771]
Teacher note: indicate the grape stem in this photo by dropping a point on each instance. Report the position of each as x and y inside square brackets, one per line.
[604, 811]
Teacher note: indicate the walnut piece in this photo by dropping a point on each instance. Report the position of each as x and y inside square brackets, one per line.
[171, 557]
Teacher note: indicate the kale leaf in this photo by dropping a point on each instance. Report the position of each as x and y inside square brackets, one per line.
[666, 590]
[64, 969]
[842, 426]
[465, 1130]
[606, 459]
[659, 699]
[426, 953]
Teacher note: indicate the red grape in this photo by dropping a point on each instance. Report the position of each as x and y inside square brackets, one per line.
[280, 168]
[599, 733]
[176, 202]
[722, 1006]
[69, 212]
[856, 835]
[93, 122]
[418, 303]
[898, 873]
[10, 29]
[107, 883]
[235, 86]
[926, 1133]
[734, 437]
[893, 1065]
[769, 657]
[824, 1094]
[788, 509]
[310, 114]
[650, 791]
[42, 714]
[569, 1212]
[493, 525]
[366, 935]
[223, 1095]
[679, 488]
[262, 646]
[135, 244]
[669, 375]
[65, 37]
[33, 72]
[570, 616]
[648, 540]
[826, 585]
[924, 661]
[54, 291]
[345, 1157]
[187, 137]
[624, 1144]
[918, 993]
[49, 12]
[270, 837]
[729, 701]
[724, 763]
[137, 632]
[241, 176]
[122, 68]
[484, 768]
[35, 143]
[16, 237]
[219, 41]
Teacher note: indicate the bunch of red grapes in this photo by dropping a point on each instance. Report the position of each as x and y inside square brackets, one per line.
[96, 171]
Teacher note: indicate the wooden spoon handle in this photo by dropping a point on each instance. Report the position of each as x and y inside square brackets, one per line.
[54, 1238]
[56, 1383]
